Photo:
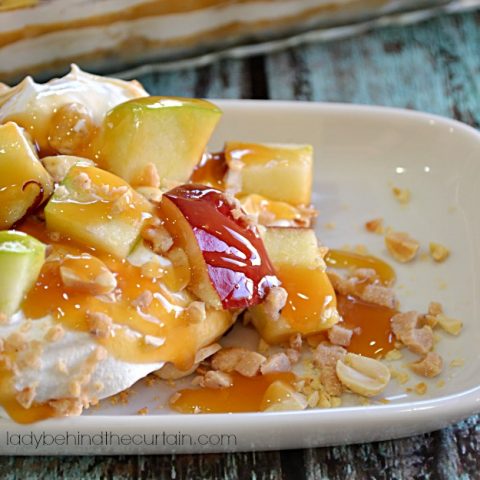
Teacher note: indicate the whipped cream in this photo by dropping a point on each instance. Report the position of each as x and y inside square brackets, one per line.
[63, 359]
[32, 104]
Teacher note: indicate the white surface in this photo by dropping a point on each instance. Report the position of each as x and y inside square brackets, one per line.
[359, 150]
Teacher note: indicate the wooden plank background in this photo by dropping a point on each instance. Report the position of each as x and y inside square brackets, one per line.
[435, 67]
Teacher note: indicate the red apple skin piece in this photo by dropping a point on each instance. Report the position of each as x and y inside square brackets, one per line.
[230, 266]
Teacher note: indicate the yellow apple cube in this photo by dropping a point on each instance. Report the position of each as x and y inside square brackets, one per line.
[311, 305]
[279, 172]
[97, 209]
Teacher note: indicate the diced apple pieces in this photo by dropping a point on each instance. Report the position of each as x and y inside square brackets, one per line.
[279, 172]
[24, 182]
[230, 267]
[311, 302]
[97, 209]
[168, 132]
[21, 259]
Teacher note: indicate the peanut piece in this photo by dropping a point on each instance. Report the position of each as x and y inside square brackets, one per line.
[401, 246]
[363, 375]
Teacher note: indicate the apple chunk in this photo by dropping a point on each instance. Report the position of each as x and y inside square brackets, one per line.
[97, 209]
[169, 132]
[230, 267]
[311, 303]
[21, 258]
[281, 172]
[24, 182]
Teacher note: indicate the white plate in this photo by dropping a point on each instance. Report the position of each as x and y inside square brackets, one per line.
[360, 153]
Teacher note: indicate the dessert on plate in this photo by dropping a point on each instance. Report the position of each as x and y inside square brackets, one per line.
[42, 36]
[127, 249]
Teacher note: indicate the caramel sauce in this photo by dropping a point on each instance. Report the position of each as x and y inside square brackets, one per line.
[235, 255]
[16, 412]
[372, 334]
[176, 337]
[271, 209]
[257, 154]
[164, 318]
[245, 395]
[351, 260]
[310, 293]
[211, 170]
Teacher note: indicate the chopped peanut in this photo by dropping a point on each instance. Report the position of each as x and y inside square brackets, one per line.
[275, 301]
[144, 300]
[158, 237]
[76, 277]
[379, 295]
[439, 252]
[450, 325]
[375, 226]
[421, 388]
[363, 375]
[405, 328]
[401, 246]
[250, 364]
[403, 195]
[325, 357]
[339, 335]
[71, 128]
[55, 333]
[435, 308]
[216, 379]
[26, 397]
[279, 362]
[99, 324]
[429, 366]
[241, 360]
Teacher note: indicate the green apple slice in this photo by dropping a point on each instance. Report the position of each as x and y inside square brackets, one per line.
[169, 132]
[21, 259]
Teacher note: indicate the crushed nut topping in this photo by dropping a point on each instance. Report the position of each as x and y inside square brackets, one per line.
[379, 295]
[67, 407]
[26, 396]
[55, 333]
[401, 246]
[325, 357]
[450, 325]
[99, 324]
[435, 308]
[144, 300]
[275, 302]
[403, 195]
[363, 375]
[279, 362]
[339, 335]
[405, 328]
[438, 252]
[158, 237]
[241, 360]
[217, 379]
[375, 226]
[429, 366]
